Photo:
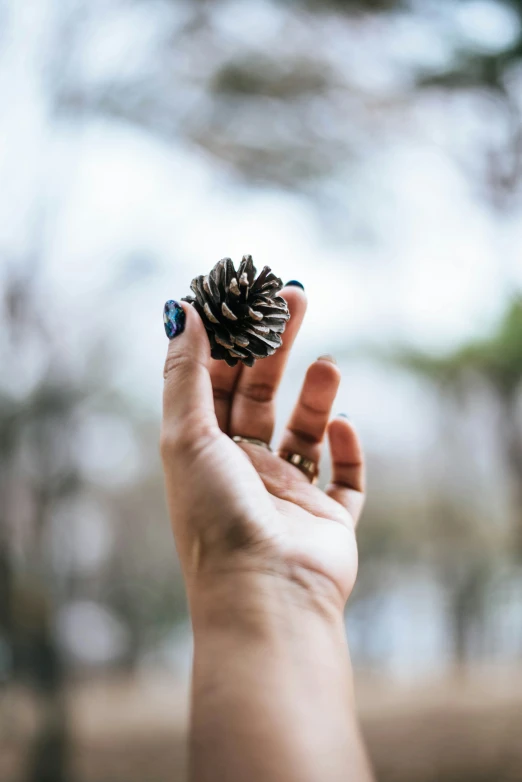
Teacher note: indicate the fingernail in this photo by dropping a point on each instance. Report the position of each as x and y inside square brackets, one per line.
[327, 357]
[294, 284]
[173, 319]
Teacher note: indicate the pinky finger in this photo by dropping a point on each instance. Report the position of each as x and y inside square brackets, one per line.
[347, 486]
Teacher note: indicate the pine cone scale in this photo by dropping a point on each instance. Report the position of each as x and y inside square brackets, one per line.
[208, 312]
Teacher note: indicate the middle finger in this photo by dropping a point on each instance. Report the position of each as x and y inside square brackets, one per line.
[253, 405]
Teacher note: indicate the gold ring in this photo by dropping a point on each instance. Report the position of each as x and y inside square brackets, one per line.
[307, 466]
[252, 441]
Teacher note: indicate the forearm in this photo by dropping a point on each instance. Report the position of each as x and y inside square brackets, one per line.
[272, 687]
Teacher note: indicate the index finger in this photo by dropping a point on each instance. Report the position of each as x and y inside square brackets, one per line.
[188, 404]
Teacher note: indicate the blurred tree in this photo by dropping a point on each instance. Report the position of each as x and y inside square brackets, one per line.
[299, 102]
[46, 395]
[36, 472]
[494, 361]
[492, 79]
[497, 361]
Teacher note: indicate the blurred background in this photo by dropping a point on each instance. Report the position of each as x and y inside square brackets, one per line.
[372, 150]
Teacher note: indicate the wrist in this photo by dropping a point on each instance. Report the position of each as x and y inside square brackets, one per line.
[258, 622]
[265, 604]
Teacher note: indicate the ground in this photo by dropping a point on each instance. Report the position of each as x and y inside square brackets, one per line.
[463, 728]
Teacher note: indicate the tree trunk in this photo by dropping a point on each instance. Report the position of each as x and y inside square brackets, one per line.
[49, 756]
[512, 436]
[466, 607]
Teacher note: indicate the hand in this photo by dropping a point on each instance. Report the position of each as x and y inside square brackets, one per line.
[239, 509]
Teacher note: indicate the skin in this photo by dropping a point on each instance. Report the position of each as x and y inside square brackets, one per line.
[269, 562]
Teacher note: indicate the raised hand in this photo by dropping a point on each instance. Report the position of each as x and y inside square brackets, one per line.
[269, 560]
[237, 507]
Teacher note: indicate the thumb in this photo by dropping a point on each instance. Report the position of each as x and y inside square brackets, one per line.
[188, 403]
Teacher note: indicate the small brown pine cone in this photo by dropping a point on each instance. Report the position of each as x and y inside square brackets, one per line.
[244, 317]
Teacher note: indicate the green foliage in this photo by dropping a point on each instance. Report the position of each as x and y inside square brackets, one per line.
[476, 69]
[497, 358]
[473, 69]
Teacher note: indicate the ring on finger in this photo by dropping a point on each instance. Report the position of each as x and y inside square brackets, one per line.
[252, 440]
[307, 466]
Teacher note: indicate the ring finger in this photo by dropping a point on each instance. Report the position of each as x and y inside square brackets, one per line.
[308, 423]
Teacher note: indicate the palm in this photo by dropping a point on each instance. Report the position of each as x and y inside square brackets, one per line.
[315, 532]
[272, 511]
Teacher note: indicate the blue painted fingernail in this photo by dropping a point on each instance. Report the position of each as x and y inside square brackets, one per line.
[174, 319]
[295, 284]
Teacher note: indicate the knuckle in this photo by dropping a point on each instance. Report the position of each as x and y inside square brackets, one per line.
[307, 437]
[187, 439]
[193, 436]
[178, 363]
[221, 394]
[257, 392]
[313, 410]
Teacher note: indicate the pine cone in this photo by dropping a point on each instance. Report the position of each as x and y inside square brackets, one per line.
[244, 317]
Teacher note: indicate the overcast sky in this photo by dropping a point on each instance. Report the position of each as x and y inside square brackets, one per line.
[436, 269]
